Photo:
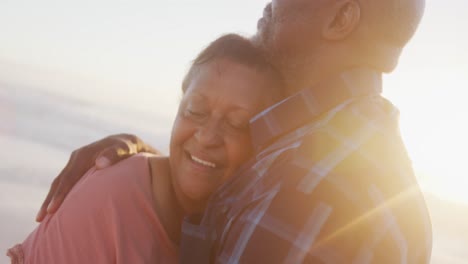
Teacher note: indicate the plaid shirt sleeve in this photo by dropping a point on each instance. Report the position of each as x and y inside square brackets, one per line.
[345, 194]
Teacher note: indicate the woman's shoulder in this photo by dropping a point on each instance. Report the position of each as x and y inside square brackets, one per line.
[140, 159]
[136, 165]
[145, 166]
[130, 175]
[158, 163]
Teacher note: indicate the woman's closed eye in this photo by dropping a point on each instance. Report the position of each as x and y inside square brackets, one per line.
[196, 114]
[237, 125]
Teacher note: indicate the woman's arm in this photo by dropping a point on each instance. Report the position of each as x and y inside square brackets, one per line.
[101, 154]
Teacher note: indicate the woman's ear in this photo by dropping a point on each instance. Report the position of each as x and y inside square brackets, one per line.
[344, 18]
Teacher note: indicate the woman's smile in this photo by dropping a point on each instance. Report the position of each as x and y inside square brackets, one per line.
[210, 138]
[203, 162]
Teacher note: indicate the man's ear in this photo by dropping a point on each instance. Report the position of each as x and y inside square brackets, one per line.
[344, 18]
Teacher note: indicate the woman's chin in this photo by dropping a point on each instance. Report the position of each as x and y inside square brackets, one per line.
[196, 199]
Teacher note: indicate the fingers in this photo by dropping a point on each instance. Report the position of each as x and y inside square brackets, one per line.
[43, 211]
[61, 192]
[119, 151]
[102, 161]
[102, 153]
[111, 156]
[140, 145]
[68, 177]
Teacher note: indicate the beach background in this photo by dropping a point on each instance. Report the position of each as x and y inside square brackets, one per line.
[72, 73]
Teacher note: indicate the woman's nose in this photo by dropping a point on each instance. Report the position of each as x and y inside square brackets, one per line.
[209, 134]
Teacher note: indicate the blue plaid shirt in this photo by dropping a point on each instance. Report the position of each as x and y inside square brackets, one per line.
[330, 182]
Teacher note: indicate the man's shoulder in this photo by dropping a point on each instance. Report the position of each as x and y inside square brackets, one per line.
[359, 139]
[350, 126]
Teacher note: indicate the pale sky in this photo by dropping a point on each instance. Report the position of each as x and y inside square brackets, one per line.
[136, 52]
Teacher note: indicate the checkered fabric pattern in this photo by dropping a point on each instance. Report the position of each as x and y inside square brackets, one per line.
[331, 182]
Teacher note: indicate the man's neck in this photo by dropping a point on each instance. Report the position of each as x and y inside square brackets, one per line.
[299, 79]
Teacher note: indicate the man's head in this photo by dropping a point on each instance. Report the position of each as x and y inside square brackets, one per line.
[311, 39]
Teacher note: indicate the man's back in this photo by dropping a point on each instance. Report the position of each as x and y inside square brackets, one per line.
[337, 189]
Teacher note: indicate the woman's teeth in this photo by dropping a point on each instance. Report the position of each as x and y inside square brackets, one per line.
[203, 162]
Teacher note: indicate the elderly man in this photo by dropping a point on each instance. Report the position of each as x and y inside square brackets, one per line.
[331, 181]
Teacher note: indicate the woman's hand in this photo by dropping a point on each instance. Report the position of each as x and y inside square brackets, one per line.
[101, 154]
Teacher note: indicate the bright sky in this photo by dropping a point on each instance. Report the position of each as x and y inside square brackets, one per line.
[136, 52]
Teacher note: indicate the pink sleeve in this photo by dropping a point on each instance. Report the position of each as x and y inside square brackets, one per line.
[108, 217]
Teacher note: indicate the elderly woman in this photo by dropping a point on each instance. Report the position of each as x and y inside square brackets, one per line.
[132, 211]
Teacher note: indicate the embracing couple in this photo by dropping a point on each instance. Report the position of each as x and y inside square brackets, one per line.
[282, 151]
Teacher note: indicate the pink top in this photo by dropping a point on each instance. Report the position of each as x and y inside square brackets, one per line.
[108, 217]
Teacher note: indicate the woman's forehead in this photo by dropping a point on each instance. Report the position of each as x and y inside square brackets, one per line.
[224, 72]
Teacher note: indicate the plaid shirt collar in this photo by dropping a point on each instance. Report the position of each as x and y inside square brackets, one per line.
[308, 104]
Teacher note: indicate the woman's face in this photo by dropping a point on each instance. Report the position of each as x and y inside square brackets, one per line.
[210, 136]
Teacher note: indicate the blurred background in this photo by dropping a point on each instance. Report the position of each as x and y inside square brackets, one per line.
[72, 72]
